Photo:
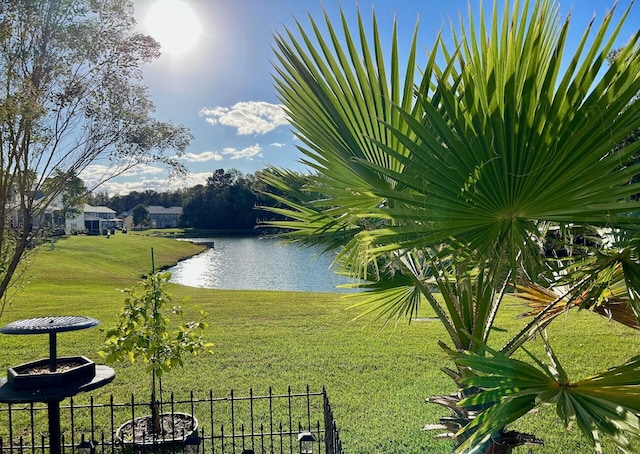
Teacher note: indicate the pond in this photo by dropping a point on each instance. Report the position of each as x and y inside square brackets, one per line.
[258, 263]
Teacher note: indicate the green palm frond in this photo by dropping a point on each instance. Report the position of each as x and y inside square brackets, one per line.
[444, 182]
[339, 94]
[463, 296]
[304, 222]
[607, 403]
[509, 144]
[498, 142]
[396, 288]
[336, 98]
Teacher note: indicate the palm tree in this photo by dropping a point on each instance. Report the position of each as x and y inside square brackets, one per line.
[440, 185]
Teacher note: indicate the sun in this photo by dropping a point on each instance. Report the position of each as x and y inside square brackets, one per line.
[174, 24]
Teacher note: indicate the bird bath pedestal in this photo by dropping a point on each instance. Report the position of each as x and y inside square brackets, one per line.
[53, 379]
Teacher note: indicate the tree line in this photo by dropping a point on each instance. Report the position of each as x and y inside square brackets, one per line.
[229, 200]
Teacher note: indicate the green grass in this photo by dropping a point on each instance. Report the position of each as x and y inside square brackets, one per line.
[377, 380]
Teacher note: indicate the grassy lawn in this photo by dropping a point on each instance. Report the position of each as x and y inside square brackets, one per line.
[377, 380]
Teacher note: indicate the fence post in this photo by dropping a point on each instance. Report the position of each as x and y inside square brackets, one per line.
[73, 425]
[93, 420]
[308, 408]
[328, 423]
[212, 417]
[112, 420]
[253, 447]
[233, 423]
[10, 417]
[32, 418]
[271, 418]
[290, 420]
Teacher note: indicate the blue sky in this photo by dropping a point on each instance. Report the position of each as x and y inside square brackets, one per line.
[222, 87]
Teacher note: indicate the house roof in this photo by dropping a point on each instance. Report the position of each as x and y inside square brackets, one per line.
[99, 209]
[156, 209]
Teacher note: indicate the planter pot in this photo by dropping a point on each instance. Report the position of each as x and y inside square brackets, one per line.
[36, 374]
[177, 429]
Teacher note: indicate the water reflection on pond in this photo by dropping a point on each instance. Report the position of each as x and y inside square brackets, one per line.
[252, 263]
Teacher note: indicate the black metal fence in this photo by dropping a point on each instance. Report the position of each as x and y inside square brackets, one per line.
[289, 423]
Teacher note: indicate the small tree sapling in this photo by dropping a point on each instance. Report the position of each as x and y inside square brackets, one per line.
[144, 333]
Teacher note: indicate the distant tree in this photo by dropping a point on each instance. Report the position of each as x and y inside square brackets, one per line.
[140, 216]
[222, 179]
[168, 199]
[135, 198]
[116, 203]
[74, 192]
[124, 202]
[70, 94]
[194, 210]
[98, 198]
[227, 202]
[230, 200]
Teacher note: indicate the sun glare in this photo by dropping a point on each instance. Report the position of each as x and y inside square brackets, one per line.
[174, 25]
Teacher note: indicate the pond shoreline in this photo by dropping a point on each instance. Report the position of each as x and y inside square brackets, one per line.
[257, 263]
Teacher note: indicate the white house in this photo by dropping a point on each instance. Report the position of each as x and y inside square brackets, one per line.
[92, 220]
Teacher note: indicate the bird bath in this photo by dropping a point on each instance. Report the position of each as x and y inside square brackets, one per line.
[53, 379]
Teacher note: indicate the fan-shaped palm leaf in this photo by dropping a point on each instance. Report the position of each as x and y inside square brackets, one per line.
[607, 403]
[506, 134]
[498, 142]
[509, 144]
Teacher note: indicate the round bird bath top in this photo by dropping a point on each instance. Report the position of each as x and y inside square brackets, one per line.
[44, 325]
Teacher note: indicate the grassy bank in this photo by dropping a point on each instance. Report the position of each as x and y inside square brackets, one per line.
[376, 380]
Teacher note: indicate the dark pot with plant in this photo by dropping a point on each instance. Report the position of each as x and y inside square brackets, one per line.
[144, 333]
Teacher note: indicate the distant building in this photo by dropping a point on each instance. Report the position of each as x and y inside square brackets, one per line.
[164, 218]
[93, 220]
[51, 216]
[159, 217]
[41, 218]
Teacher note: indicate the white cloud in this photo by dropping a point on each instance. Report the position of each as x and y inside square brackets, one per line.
[277, 144]
[205, 156]
[122, 186]
[250, 117]
[195, 178]
[94, 172]
[138, 178]
[144, 170]
[98, 172]
[149, 177]
[247, 153]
